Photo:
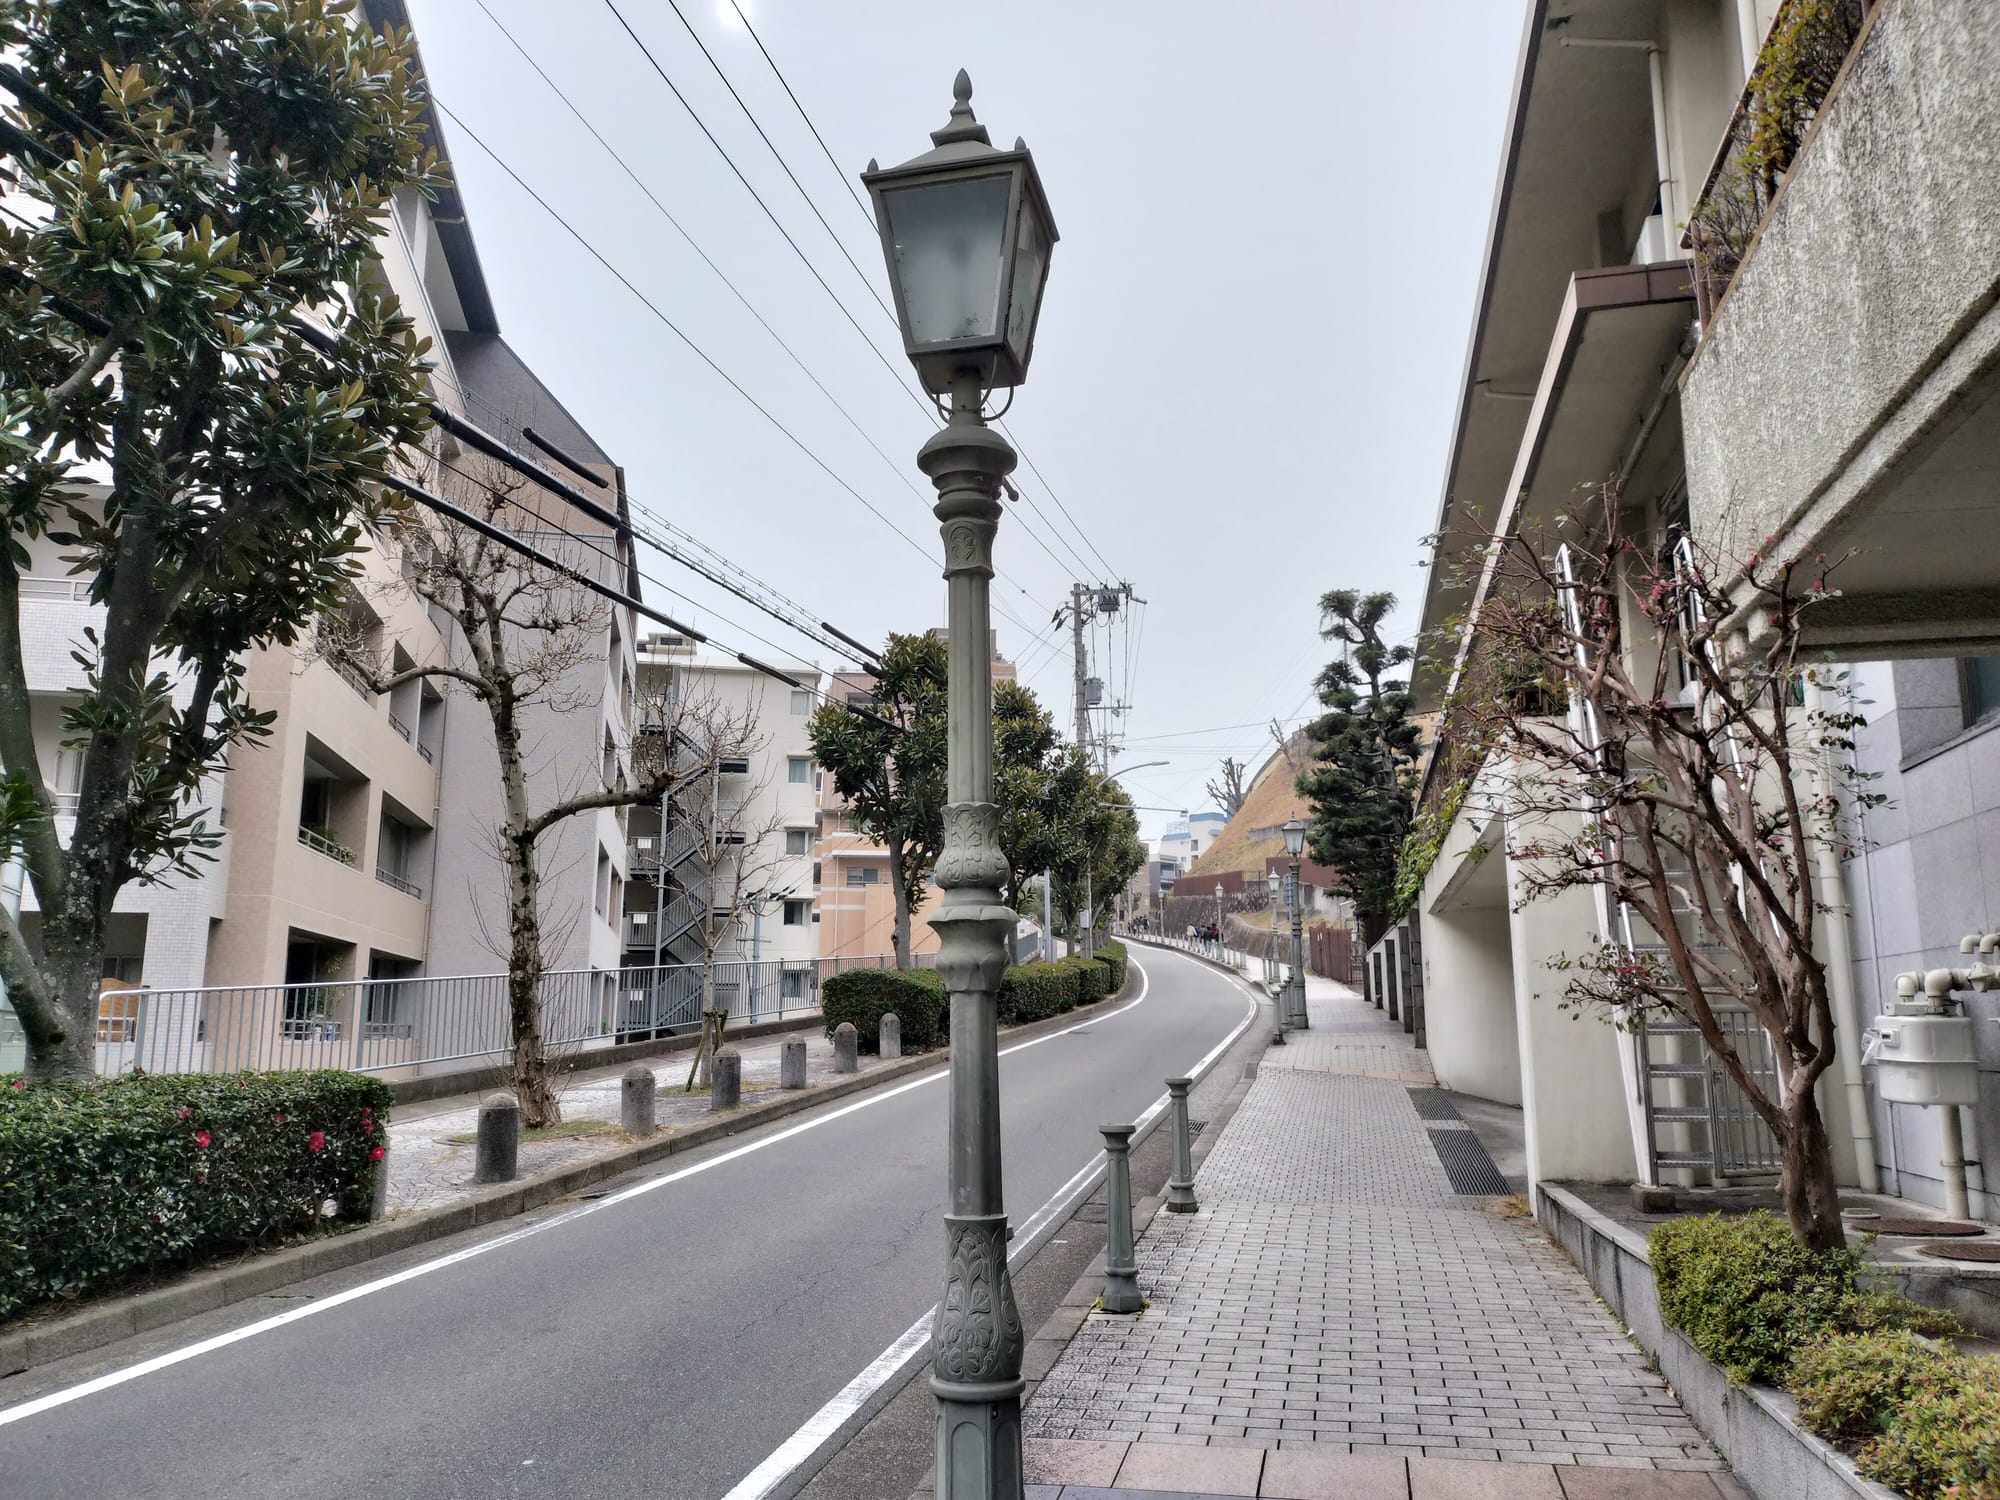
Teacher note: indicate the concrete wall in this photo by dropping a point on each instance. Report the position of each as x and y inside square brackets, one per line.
[1876, 265]
[1928, 873]
[1469, 1019]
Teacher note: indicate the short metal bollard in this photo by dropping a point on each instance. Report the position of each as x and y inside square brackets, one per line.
[846, 1049]
[726, 1086]
[1121, 1271]
[637, 1091]
[1180, 1186]
[892, 1035]
[497, 1154]
[792, 1064]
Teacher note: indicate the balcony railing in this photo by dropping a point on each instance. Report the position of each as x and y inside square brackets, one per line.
[1804, 53]
[396, 882]
[353, 676]
[401, 728]
[425, 751]
[321, 842]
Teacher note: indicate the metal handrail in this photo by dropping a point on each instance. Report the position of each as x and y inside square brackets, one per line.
[396, 882]
[401, 728]
[69, 590]
[319, 843]
[353, 676]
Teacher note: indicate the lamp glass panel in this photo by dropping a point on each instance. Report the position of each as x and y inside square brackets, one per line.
[1031, 269]
[948, 256]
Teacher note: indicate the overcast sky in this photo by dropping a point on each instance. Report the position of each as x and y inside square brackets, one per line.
[1272, 216]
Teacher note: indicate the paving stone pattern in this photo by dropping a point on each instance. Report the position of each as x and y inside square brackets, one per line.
[1334, 1292]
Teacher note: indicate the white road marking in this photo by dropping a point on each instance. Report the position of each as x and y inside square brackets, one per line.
[21, 1411]
[866, 1394]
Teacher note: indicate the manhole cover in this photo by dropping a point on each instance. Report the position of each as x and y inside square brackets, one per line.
[1949, 1250]
[1926, 1226]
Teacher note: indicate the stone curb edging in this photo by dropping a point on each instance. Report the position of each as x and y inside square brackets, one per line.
[203, 1291]
[1755, 1427]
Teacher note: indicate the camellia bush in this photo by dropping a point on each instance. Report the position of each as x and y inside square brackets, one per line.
[861, 997]
[102, 1183]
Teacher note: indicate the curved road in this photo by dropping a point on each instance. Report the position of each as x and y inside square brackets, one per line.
[660, 1342]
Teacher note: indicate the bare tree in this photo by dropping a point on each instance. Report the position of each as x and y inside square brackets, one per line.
[1699, 784]
[527, 640]
[1226, 791]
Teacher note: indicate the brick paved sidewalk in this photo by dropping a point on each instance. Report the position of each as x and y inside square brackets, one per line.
[1337, 1320]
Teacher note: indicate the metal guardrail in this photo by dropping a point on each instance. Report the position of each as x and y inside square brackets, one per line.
[319, 843]
[396, 882]
[401, 728]
[410, 1026]
[67, 590]
[353, 677]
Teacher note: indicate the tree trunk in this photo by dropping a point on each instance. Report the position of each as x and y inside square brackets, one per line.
[72, 967]
[539, 1105]
[1806, 1179]
[900, 888]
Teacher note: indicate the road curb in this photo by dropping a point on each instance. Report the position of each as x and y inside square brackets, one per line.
[107, 1322]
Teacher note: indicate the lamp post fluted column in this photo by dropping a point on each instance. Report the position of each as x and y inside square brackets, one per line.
[977, 1341]
[1300, 1019]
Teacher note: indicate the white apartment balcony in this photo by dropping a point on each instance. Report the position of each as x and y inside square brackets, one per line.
[1845, 398]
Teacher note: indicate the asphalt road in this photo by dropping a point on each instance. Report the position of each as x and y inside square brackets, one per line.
[663, 1344]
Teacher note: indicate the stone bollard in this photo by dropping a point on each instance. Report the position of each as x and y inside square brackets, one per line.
[1180, 1185]
[637, 1091]
[792, 1064]
[892, 1036]
[1121, 1272]
[845, 1059]
[378, 1203]
[726, 1091]
[498, 1151]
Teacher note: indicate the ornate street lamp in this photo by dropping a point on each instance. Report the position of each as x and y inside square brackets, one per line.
[966, 233]
[1295, 994]
[1276, 883]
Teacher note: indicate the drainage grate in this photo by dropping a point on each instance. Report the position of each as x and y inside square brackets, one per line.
[1922, 1227]
[1433, 1104]
[1466, 1163]
[1963, 1250]
[1196, 1127]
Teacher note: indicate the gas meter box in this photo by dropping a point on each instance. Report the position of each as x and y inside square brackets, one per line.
[1924, 1059]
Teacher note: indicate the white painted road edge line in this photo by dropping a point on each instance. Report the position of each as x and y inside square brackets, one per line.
[25, 1409]
[786, 1470]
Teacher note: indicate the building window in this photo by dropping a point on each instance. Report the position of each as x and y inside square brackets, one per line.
[798, 770]
[798, 841]
[1980, 687]
[797, 913]
[802, 702]
[866, 875]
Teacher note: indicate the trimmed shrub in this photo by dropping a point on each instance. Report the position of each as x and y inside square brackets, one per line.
[1093, 979]
[1113, 957]
[1030, 992]
[101, 1182]
[1749, 1296]
[1850, 1385]
[863, 996]
[1943, 1444]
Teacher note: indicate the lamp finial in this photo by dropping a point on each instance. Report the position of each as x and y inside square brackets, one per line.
[962, 126]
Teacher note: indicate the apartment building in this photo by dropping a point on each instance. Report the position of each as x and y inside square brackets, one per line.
[358, 835]
[1822, 385]
[735, 850]
[1185, 838]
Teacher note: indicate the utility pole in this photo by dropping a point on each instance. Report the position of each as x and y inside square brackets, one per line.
[1086, 602]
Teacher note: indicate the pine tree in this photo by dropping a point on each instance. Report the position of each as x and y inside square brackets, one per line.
[1361, 780]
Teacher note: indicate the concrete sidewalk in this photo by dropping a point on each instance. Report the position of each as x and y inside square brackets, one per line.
[1359, 1310]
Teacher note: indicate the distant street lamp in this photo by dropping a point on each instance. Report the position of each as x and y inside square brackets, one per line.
[966, 233]
[1275, 882]
[1295, 994]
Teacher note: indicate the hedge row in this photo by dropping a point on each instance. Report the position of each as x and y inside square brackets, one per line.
[1029, 992]
[1866, 1367]
[101, 1182]
[861, 997]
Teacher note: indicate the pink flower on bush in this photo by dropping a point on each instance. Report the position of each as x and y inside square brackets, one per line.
[201, 1138]
[18, 1083]
[183, 1112]
[378, 1153]
[367, 1127]
[316, 1141]
[201, 1177]
[279, 1117]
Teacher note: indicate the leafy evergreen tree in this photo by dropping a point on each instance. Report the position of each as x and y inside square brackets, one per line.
[1361, 781]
